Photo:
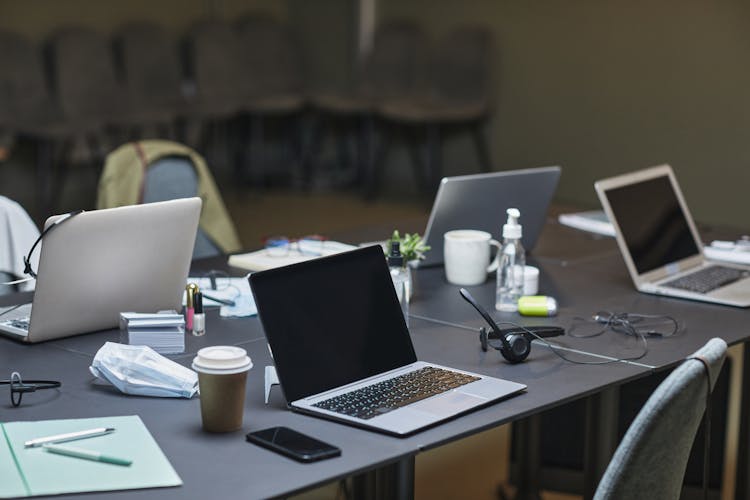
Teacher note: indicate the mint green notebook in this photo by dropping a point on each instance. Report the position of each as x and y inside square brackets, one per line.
[34, 471]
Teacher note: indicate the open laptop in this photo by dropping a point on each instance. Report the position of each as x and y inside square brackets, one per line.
[479, 202]
[659, 241]
[97, 264]
[343, 352]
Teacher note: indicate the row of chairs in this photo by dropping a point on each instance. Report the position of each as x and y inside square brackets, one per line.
[77, 97]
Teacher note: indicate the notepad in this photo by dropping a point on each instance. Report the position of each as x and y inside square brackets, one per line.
[34, 471]
[260, 260]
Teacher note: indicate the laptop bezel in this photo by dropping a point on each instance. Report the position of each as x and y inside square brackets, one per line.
[655, 275]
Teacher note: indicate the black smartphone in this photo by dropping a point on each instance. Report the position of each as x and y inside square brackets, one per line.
[293, 444]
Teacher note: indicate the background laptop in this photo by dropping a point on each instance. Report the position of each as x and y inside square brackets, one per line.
[335, 328]
[479, 202]
[659, 241]
[100, 263]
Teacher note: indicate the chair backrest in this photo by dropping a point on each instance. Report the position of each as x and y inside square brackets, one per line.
[151, 66]
[651, 459]
[397, 63]
[85, 77]
[174, 177]
[461, 65]
[215, 63]
[23, 82]
[271, 57]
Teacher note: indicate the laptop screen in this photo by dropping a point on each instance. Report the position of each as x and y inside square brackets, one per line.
[332, 321]
[652, 223]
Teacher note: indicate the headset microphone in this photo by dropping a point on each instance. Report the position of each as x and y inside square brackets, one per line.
[515, 343]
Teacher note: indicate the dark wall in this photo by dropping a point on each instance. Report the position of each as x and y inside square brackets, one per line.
[607, 87]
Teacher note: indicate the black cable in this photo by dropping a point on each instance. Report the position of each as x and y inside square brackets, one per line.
[27, 260]
[12, 308]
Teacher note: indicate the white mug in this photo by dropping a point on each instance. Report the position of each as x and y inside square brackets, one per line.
[467, 255]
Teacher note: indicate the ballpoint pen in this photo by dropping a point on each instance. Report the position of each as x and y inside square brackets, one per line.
[70, 436]
[96, 456]
[226, 302]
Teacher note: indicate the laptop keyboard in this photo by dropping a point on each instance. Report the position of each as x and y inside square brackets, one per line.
[397, 392]
[707, 279]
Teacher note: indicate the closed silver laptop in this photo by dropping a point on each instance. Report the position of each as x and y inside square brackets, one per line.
[479, 201]
[660, 243]
[100, 263]
[343, 352]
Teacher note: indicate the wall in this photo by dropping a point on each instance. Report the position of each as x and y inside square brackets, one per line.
[39, 18]
[602, 88]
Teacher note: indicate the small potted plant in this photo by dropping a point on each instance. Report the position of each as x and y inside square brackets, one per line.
[413, 248]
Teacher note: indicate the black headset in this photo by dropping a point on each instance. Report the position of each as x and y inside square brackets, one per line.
[27, 260]
[515, 343]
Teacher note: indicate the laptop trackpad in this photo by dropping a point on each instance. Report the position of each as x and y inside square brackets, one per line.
[448, 403]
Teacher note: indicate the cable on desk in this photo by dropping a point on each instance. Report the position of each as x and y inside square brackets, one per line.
[553, 347]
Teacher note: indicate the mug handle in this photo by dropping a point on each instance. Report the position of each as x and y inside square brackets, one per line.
[496, 261]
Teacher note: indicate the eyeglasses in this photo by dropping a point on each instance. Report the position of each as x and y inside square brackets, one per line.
[635, 324]
[281, 246]
[18, 387]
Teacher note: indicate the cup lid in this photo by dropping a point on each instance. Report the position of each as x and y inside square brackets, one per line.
[222, 359]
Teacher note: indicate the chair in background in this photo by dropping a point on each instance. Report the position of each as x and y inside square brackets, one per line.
[17, 234]
[272, 73]
[214, 64]
[94, 105]
[152, 75]
[28, 110]
[650, 461]
[394, 69]
[157, 170]
[457, 97]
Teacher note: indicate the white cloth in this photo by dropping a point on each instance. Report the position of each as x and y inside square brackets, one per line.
[17, 233]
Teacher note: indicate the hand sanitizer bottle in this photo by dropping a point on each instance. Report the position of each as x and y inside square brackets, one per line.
[512, 261]
[400, 278]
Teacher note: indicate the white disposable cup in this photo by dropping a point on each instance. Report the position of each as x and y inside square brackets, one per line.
[222, 376]
[466, 254]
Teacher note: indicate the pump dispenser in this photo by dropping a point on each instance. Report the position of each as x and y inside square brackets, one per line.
[512, 262]
[400, 277]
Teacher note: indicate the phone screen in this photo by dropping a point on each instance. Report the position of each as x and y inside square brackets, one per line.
[293, 444]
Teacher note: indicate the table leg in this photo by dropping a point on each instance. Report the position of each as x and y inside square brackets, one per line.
[528, 453]
[600, 437]
[395, 481]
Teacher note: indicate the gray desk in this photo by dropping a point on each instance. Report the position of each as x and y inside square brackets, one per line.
[224, 466]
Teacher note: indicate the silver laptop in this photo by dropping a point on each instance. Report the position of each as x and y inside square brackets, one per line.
[97, 264]
[659, 241]
[343, 352]
[479, 202]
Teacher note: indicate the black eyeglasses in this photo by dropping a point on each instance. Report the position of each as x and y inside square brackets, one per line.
[18, 387]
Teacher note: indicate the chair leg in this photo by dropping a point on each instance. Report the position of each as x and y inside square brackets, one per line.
[376, 162]
[44, 173]
[483, 152]
[434, 160]
[420, 168]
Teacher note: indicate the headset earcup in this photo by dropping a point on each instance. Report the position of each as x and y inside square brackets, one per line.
[520, 347]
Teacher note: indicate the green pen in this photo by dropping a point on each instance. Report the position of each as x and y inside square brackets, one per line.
[70, 451]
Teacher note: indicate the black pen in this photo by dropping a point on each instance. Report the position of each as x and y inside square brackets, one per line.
[226, 302]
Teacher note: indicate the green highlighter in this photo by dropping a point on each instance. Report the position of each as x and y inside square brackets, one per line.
[96, 456]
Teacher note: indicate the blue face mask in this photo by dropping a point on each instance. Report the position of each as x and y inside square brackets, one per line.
[140, 371]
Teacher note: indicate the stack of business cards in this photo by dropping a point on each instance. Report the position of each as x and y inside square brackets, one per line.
[164, 332]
